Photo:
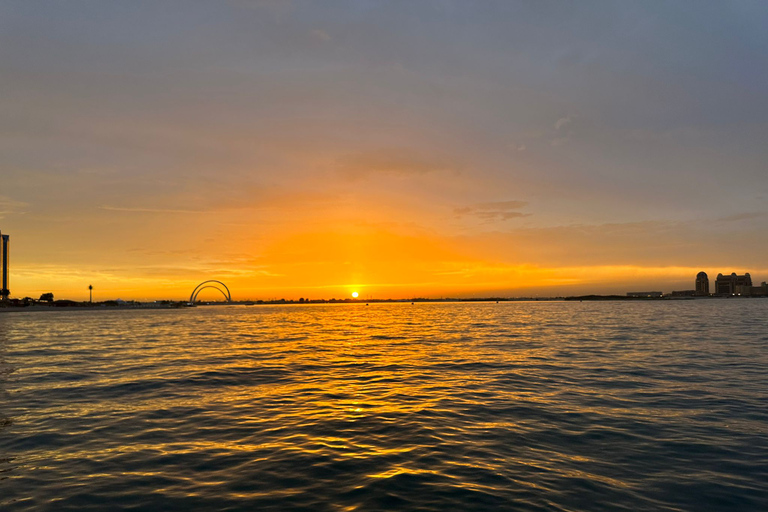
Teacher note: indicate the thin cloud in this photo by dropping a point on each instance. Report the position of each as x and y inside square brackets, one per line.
[320, 35]
[742, 216]
[10, 206]
[563, 122]
[563, 129]
[277, 8]
[148, 210]
[394, 161]
[495, 210]
[501, 205]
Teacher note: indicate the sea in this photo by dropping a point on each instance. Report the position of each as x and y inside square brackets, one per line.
[525, 406]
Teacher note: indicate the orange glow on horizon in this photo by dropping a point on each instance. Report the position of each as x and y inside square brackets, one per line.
[446, 279]
[326, 257]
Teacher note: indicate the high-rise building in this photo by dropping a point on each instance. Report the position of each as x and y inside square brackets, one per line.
[727, 285]
[702, 284]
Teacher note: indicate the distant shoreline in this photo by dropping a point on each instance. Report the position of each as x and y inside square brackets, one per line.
[20, 309]
[183, 305]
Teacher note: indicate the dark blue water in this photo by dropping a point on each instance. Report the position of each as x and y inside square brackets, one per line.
[512, 406]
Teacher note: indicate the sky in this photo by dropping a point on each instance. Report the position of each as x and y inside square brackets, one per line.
[394, 148]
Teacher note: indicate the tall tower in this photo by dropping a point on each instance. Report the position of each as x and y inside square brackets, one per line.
[4, 291]
[702, 284]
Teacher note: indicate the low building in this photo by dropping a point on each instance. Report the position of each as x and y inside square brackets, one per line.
[752, 291]
[647, 295]
[684, 293]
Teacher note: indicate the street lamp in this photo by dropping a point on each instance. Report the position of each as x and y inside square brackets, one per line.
[90, 293]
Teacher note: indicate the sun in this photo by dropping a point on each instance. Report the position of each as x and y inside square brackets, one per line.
[355, 295]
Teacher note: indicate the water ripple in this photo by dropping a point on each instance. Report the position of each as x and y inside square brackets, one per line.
[511, 406]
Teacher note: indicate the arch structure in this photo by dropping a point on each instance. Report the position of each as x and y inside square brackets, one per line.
[211, 283]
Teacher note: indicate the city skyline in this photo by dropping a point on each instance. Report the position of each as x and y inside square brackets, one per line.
[391, 149]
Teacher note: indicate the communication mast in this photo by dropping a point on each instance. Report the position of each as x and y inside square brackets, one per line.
[4, 291]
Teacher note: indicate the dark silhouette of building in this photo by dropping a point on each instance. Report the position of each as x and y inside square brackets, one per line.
[645, 295]
[747, 290]
[4, 291]
[702, 284]
[732, 284]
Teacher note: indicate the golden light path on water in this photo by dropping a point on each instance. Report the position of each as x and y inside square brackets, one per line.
[525, 406]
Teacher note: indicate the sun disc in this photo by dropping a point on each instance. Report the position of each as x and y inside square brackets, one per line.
[355, 294]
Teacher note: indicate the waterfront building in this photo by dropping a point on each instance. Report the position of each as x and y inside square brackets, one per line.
[752, 291]
[648, 295]
[702, 284]
[732, 284]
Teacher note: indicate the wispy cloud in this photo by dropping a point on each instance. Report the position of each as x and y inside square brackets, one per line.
[496, 210]
[395, 161]
[563, 130]
[320, 35]
[563, 122]
[9, 206]
[148, 210]
[277, 8]
[742, 216]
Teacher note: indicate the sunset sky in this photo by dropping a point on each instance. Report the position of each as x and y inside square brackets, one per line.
[398, 149]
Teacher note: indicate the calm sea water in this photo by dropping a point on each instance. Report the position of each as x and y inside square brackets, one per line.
[511, 406]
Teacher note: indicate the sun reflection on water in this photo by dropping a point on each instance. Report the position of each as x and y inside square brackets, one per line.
[435, 405]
